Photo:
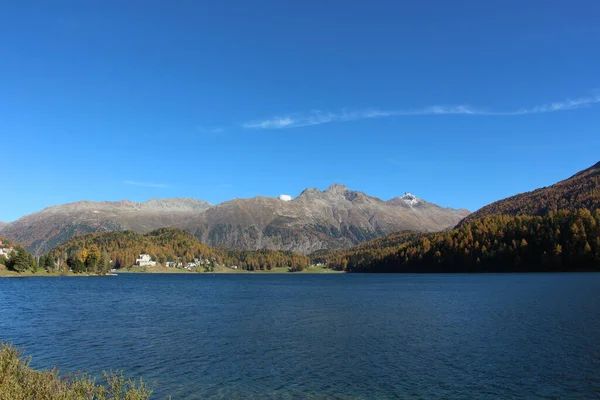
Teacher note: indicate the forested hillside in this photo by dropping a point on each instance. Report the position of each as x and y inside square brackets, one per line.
[549, 229]
[166, 244]
[582, 190]
[568, 240]
[374, 249]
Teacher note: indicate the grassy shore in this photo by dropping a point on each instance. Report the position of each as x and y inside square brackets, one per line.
[18, 381]
[153, 270]
[313, 269]
[4, 273]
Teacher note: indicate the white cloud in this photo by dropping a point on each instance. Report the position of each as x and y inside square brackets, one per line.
[206, 129]
[560, 106]
[319, 117]
[270, 123]
[146, 184]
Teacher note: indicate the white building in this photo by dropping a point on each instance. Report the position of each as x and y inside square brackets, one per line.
[145, 261]
[6, 252]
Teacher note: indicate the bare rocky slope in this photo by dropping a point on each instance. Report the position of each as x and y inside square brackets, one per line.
[43, 230]
[330, 219]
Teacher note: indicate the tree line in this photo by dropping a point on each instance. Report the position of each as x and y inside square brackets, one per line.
[21, 260]
[92, 252]
[567, 240]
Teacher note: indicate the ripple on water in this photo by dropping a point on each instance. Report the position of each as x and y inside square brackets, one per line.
[319, 337]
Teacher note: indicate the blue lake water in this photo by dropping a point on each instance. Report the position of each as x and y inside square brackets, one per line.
[344, 336]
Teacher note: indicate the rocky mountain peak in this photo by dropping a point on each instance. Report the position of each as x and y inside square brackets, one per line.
[334, 193]
[334, 218]
[336, 188]
[310, 193]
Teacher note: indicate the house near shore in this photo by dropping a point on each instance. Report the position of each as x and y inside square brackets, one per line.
[5, 251]
[187, 265]
[145, 260]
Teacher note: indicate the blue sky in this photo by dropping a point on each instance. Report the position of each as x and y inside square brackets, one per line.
[461, 103]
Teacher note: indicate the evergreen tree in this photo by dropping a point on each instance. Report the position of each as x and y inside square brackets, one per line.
[21, 260]
[75, 264]
[50, 265]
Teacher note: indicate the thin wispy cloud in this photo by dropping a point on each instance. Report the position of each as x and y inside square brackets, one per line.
[206, 129]
[319, 117]
[561, 106]
[146, 184]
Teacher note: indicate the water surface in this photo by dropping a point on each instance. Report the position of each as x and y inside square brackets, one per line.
[344, 336]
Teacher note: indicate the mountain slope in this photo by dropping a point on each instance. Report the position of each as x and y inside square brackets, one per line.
[43, 230]
[582, 190]
[561, 234]
[568, 240]
[331, 219]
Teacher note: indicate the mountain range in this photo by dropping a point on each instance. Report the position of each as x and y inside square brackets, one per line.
[555, 228]
[331, 219]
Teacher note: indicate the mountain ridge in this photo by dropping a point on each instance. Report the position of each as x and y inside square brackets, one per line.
[554, 228]
[581, 190]
[129, 204]
[336, 217]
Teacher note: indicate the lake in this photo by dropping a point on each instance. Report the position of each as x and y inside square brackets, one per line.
[346, 336]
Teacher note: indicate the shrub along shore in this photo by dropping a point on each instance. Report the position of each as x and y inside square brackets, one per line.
[18, 381]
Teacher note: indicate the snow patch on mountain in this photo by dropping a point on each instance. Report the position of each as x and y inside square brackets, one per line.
[410, 199]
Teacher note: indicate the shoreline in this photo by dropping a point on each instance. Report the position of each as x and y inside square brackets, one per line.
[169, 271]
[4, 273]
